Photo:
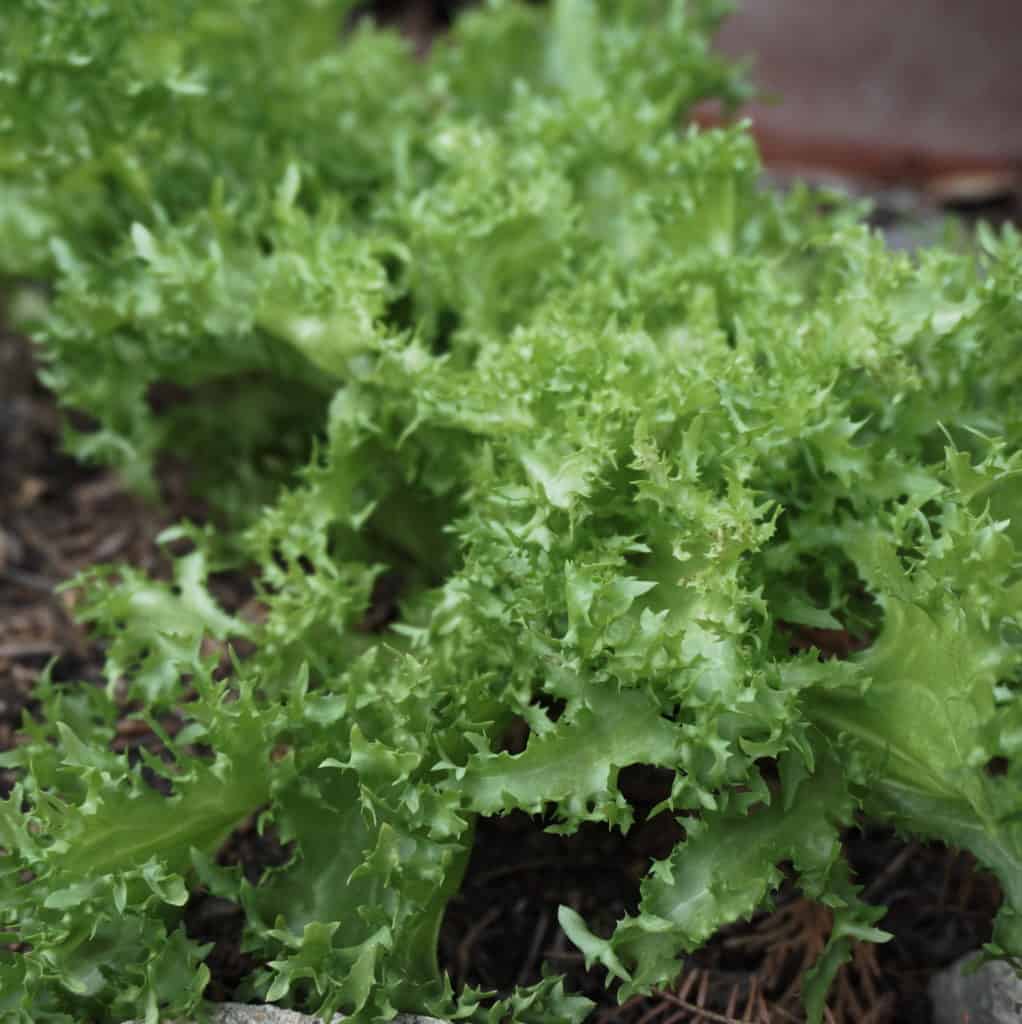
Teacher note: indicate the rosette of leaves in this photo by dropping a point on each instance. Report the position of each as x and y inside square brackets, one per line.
[494, 322]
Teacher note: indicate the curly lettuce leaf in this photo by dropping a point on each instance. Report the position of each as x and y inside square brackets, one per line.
[617, 427]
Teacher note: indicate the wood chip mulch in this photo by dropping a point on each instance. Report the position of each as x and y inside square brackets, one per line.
[58, 517]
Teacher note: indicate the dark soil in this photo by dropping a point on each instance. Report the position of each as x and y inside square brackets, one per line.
[58, 517]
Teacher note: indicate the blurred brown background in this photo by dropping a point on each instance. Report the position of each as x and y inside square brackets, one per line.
[912, 91]
[919, 93]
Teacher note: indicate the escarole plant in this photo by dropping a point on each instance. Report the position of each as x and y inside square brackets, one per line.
[496, 323]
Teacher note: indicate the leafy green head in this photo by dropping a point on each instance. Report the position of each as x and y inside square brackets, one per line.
[495, 324]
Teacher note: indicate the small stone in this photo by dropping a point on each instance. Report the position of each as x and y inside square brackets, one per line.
[991, 995]
[240, 1013]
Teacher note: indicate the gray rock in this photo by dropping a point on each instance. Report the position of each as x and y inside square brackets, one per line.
[239, 1013]
[991, 995]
